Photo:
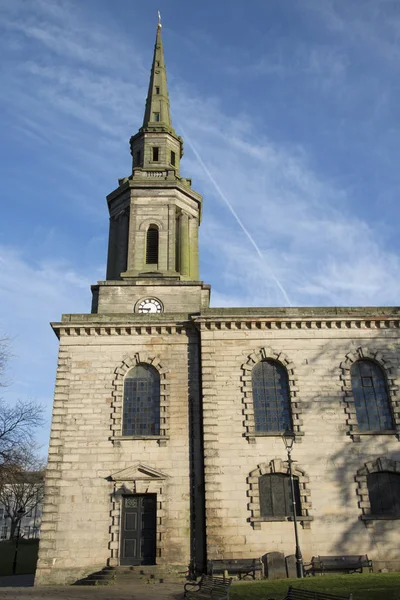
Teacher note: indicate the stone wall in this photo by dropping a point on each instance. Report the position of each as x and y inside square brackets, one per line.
[160, 199]
[328, 455]
[177, 297]
[80, 528]
[89, 463]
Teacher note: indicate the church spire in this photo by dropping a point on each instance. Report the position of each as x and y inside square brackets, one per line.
[155, 214]
[157, 116]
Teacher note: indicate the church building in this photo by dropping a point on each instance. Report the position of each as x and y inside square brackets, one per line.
[166, 441]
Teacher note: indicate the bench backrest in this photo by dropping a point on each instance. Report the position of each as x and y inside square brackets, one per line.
[219, 586]
[241, 563]
[300, 594]
[345, 560]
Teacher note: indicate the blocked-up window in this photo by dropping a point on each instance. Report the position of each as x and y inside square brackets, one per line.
[276, 498]
[141, 408]
[271, 397]
[384, 493]
[371, 398]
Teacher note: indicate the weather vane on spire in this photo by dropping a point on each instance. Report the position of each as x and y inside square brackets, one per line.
[159, 19]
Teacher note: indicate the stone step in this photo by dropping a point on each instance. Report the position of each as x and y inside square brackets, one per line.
[105, 572]
[96, 582]
[103, 577]
[151, 573]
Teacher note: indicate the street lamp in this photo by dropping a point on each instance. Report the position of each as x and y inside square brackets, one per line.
[289, 439]
[20, 514]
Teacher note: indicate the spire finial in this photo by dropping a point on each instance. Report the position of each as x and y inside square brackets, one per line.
[159, 19]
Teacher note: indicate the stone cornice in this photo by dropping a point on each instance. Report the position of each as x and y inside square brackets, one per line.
[148, 182]
[245, 319]
[299, 318]
[121, 325]
[163, 281]
[248, 323]
[348, 312]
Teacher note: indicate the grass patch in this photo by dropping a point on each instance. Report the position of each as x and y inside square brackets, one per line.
[371, 586]
[27, 556]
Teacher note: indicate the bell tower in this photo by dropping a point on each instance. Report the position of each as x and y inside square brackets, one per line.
[154, 218]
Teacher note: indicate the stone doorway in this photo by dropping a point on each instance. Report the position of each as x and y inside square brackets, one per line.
[138, 530]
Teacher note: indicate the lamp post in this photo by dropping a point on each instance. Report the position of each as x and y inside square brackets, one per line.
[288, 439]
[20, 514]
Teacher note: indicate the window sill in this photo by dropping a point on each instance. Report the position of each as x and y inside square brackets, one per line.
[262, 519]
[122, 438]
[272, 433]
[380, 517]
[252, 436]
[376, 432]
[305, 521]
[357, 435]
[269, 433]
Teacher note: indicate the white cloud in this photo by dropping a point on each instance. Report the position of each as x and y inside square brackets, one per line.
[81, 99]
[376, 26]
[60, 27]
[302, 222]
[31, 296]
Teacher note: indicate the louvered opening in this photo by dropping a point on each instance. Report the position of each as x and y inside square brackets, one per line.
[152, 245]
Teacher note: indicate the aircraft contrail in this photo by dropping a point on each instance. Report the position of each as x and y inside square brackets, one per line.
[236, 216]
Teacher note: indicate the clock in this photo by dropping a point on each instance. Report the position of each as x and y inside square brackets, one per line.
[149, 305]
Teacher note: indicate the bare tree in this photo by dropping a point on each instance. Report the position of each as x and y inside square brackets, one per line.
[17, 423]
[21, 471]
[21, 491]
[4, 355]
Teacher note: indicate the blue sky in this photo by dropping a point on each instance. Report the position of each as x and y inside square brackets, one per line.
[292, 107]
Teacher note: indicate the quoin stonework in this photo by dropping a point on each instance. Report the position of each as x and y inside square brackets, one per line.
[166, 444]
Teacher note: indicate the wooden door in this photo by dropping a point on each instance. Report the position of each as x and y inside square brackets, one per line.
[138, 530]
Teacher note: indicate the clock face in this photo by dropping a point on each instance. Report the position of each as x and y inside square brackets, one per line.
[149, 305]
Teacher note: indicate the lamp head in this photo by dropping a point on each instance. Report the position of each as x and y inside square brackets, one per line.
[288, 437]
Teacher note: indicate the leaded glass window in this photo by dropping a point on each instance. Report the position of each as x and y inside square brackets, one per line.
[271, 397]
[276, 495]
[371, 398]
[384, 493]
[141, 414]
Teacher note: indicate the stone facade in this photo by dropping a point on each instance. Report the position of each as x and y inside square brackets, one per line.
[332, 456]
[91, 465]
[199, 470]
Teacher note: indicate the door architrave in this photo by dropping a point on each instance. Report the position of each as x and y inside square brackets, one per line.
[137, 479]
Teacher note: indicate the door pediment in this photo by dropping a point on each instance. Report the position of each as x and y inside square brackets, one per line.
[138, 472]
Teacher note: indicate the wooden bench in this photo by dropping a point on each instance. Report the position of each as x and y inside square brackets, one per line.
[351, 563]
[208, 587]
[300, 594]
[246, 567]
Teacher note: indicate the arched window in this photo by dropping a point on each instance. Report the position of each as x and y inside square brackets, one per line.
[271, 397]
[371, 397]
[141, 412]
[152, 245]
[276, 495]
[384, 493]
